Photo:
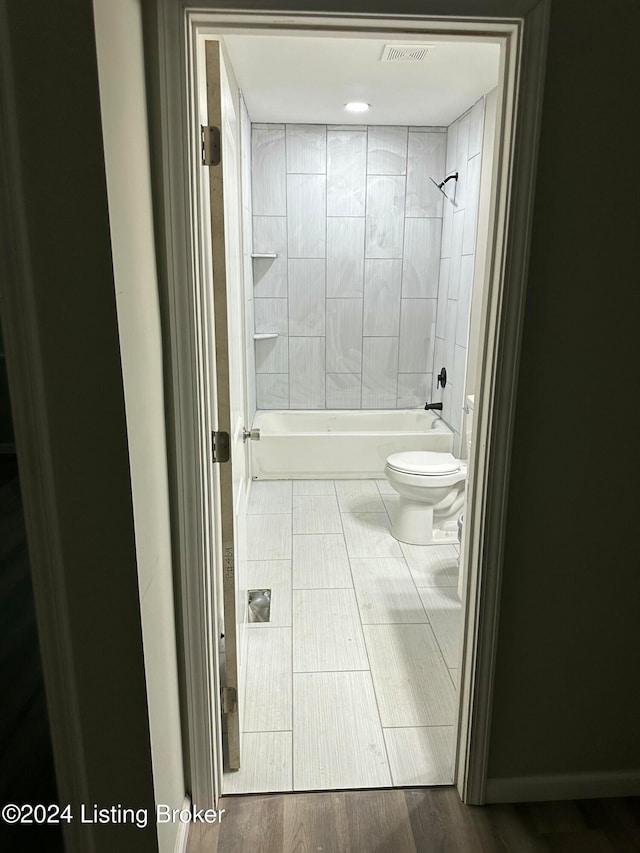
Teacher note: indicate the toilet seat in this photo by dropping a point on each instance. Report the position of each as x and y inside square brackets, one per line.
[424, 463]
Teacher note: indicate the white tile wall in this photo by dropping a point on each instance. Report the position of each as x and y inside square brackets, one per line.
[385, 216]
[387, 151]
[344, 335]
[346, 172]
[357, 228]
[307, 296]
[306, 148]
[307, 373]
[417, 334]
[464, 145]
[306, 211]
[345, 257]
[382, 291]
[421, 258]
[268, 172]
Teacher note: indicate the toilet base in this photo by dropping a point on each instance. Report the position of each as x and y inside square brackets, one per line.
[414, 524]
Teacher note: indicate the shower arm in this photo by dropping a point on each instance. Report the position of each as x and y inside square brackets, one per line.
[452, 176]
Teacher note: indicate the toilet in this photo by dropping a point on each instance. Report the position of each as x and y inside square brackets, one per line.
[431, 488]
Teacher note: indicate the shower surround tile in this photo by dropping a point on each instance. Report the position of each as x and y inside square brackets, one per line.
[268, 170]
[344, 335]
[379, 373]
[346, 172]
[344, 390]
[306, 148]
[353, 217]
[345, 256]
[272, 390]
[385, 216]
[306, 214]
[382, 289]
[421, 258]
[426, 160]
[387, 150]
[270, 274]
[307, 296]
[307, 373]
[417, 334]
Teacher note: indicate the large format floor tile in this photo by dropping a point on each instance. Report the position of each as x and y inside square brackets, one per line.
[269, 496]
[313, 487]
[358, 496]
[269, 537]
[316, 514]
[276, 576]
[411, 680]
[265, 764]
[320, 561]
[445, 614]
[432, 565]
[420, 756]
[338, 741]
[327, 635]
[386, 591]
[367, 535]
[268, 681]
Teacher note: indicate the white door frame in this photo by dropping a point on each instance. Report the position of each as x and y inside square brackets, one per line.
[522, 25]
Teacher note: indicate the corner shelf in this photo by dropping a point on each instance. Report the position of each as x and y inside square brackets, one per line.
[264, 254]
[264, 336]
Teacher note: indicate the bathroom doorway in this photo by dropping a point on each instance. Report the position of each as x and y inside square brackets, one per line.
[350, 495]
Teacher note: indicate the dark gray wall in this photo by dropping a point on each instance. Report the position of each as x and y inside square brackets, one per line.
[61, 160]
[566, 689]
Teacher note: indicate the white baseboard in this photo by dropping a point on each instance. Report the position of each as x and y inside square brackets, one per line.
[578, 786]
[183, 832]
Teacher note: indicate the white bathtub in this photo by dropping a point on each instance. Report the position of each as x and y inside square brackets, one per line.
[340, 444]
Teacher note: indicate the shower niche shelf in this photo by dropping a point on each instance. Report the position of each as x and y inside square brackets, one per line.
[264, 254]
[265, 336]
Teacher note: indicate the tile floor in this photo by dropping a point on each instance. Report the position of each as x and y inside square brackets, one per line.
[352, 683]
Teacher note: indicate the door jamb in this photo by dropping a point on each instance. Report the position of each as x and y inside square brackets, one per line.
[169, 63]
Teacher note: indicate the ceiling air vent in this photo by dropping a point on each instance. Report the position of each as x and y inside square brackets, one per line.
[405, 52]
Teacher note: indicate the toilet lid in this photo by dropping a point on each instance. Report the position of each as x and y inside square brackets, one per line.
[424, 462]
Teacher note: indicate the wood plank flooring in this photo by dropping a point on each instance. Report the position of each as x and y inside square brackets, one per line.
[418, 820]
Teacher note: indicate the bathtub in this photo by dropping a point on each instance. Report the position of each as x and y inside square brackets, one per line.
[340, 444]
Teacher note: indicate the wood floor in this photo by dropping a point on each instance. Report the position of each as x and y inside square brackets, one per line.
[422, 820]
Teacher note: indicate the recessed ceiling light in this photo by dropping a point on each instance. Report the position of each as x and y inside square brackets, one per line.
[357, 107]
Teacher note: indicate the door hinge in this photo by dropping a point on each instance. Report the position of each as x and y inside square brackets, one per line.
[210, 141]
[229, 700]
[220, 445]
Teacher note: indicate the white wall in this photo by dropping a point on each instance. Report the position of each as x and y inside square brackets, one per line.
[356, 223]
[122, 96]
[457, 264]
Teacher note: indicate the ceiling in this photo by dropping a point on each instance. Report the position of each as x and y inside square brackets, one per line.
[308, 79]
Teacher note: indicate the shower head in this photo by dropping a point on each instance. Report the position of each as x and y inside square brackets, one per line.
[452, 177]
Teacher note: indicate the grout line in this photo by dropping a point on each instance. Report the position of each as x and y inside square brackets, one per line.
[366, 649]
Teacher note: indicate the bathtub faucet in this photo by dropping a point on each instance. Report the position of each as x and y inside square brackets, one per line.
[429, 406]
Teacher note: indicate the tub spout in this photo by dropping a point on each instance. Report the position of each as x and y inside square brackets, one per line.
[429, 406]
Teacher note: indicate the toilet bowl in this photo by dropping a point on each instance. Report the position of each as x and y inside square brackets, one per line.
[431, 489]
